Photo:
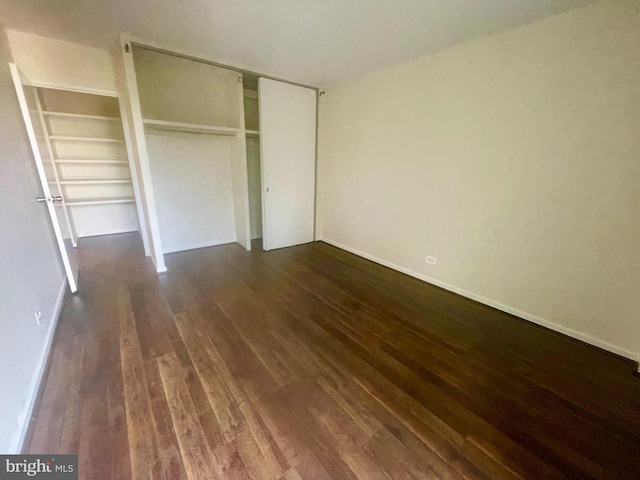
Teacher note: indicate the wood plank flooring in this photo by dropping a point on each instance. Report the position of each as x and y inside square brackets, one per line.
[312, 363]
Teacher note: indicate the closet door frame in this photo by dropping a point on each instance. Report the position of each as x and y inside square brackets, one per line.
[129, 145]
[136, 130]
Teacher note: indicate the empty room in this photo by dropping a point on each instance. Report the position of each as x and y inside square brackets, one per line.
[320, 239]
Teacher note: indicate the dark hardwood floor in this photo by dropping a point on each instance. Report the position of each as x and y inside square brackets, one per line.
[312, 363]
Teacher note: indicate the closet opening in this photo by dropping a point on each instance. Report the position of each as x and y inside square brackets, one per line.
[82, 161]
[89, 163]
[194, 135]
[224, 155]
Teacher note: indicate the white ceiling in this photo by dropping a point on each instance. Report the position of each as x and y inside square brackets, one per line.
[310, 41]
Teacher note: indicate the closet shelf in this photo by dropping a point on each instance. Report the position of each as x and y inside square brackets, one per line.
[100, 201]
[252, 133]
[81, 115]
[95, 181]
[86, 139]
[88, 161]
[188, 127]
[248, 93]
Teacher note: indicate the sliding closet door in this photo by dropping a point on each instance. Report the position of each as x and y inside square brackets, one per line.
[288, 153]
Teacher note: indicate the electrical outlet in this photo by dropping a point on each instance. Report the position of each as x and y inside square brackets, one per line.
[38, 315]
[431, 260]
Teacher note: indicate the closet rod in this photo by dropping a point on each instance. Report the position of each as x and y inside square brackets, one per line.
[150, 124]
[152, 129]
[153, 48]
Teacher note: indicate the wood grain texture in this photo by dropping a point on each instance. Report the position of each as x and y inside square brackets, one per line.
[312, 363]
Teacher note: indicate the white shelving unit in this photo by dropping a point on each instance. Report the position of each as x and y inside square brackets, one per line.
[90, 162]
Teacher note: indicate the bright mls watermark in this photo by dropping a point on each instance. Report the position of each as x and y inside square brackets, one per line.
[51, 467]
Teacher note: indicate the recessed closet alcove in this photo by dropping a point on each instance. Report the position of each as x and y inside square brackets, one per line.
[225, 155]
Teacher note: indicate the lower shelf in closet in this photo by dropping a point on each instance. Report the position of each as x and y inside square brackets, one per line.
[91, 181]
[99, 201]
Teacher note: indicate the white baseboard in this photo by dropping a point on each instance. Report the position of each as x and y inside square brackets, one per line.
[194, 246]
[37, 378]
[623, 352]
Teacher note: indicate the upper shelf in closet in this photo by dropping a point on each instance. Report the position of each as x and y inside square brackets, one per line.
[81, 116]
[64, 103]
[188, 127]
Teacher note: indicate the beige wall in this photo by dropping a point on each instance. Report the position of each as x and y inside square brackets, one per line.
[58, 63]
[515, 160]
[180, 90]
[32, 277]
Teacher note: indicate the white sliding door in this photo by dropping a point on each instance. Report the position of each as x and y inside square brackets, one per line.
[288, 156]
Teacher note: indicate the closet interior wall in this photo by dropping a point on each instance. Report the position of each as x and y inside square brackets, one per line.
[252, 126]
[90, 162]
[194, 130]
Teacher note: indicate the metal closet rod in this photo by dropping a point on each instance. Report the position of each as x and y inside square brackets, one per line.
[216, 64]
